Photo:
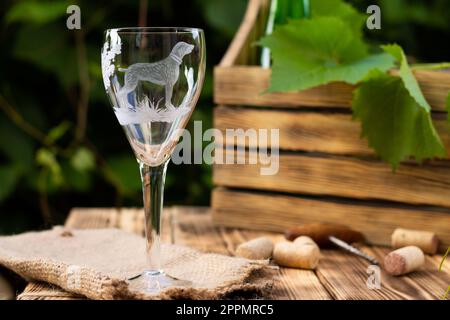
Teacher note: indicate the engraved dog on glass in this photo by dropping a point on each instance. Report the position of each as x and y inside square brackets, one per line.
[164, 72]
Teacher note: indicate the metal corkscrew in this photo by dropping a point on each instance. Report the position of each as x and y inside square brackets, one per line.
[349, 248]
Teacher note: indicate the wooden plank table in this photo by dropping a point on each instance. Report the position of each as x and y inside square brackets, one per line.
[339, 275]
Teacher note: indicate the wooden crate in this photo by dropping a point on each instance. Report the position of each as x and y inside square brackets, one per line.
[327, 172]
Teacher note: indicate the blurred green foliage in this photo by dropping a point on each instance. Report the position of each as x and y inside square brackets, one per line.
[60, 144]
[421, 27]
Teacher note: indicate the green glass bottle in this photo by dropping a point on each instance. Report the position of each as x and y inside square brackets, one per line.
[280, 12]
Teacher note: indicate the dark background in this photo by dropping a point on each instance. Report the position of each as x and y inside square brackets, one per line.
[60, 143]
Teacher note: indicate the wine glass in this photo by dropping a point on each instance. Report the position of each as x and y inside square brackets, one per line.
[153, 78]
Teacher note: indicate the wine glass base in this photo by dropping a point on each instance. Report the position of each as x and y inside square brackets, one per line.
[155, 281]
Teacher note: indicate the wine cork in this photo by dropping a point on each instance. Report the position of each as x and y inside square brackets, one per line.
[256, 249]
[297, 255]
[404, 260]
[304, 240]
[427, 241]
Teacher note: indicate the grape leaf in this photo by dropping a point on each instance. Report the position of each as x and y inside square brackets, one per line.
[339, 9]
[395, 124]
[311, 52]
[406, 75]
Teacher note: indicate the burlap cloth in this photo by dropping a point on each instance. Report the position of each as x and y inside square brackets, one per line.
[97, 263]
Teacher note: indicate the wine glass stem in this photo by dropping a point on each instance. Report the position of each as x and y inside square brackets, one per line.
[153, 189]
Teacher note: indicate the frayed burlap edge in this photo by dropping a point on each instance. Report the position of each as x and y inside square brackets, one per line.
[83, 281]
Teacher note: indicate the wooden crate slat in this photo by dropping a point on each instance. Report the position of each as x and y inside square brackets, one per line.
[333, 133]
[245, 85]
[318, 173]
[88, 218]
[340, 176]
[262, 211]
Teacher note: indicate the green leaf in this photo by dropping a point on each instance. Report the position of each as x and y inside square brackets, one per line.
[9, 176]
[124, 174]
[224, 15]
[395, 125]
[16, 145]
[311, 52]
[36, 11]
[48, 48]
[338, 9]
[82, 160]
[80, 181]
[57, 132]
[47, 159]
[47, 182]
[406, 75]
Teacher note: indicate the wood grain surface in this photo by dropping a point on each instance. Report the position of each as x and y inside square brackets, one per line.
[339, 275]
[300, 130]
[339, 176]
[272, 212]
[246, 85]
[197, 230]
